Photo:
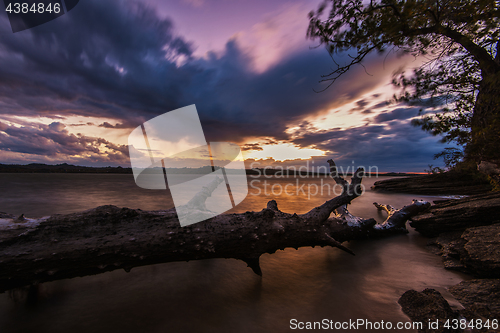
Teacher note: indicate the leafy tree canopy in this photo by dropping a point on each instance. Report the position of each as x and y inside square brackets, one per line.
[458, 40]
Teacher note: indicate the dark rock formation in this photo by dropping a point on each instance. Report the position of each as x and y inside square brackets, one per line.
[428, 307]
[475, 251]
[481, 250]
[448, 183]
[446, 246]
[480, 298]
[467, 235]
[473, 211]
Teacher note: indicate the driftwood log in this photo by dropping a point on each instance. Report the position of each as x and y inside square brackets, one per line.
[106, 238]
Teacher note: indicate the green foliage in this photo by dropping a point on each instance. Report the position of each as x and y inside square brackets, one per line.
[457, 38]
[434, 170]
[468, 168]
[451, 156]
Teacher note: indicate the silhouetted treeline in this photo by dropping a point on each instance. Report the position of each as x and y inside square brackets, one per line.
[59, 168]
[68, 168]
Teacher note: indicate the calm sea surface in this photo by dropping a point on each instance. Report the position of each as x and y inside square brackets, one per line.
[220, 295]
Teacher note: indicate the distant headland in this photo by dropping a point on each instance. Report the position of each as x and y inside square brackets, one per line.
[69, 168]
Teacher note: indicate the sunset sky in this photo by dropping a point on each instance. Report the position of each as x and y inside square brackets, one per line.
[72, 90]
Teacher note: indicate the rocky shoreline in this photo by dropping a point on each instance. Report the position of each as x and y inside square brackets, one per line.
[448, 183]
[466, 233]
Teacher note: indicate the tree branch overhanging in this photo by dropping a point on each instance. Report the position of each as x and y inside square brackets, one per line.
[459, 37]
[107, 238]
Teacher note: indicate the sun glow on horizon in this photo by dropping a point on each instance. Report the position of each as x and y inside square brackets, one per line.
[282, 152]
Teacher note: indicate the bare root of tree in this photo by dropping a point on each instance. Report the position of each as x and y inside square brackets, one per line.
[108, 238]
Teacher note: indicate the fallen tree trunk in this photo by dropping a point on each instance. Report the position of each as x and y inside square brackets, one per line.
[108, 238]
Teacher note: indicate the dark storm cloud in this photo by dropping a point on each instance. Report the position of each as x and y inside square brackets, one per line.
[360, 105]
[431, 102]
[117, 125]
[251, 146]
[78, 125]
[399, 113]
[317, 139]
[54, 141]
[125, 63]
[380, 105]
[364, 105]
[234, 103]
[397, 147]
[106, 60]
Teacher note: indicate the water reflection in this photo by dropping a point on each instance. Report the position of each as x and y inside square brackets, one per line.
[220, 295]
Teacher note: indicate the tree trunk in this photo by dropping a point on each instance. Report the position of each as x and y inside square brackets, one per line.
[108, 238]
[485, 122]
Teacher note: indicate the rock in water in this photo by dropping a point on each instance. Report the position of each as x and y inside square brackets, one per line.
[481, 251]
[473, 211]
[448, 183]
[480, 298]
[428, 307]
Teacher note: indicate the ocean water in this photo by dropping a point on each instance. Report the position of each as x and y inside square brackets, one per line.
[221, 295]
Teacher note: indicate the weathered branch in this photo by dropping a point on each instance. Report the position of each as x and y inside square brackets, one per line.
[396, 218]
[342, 212]
[108, 238]
[485, 60]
